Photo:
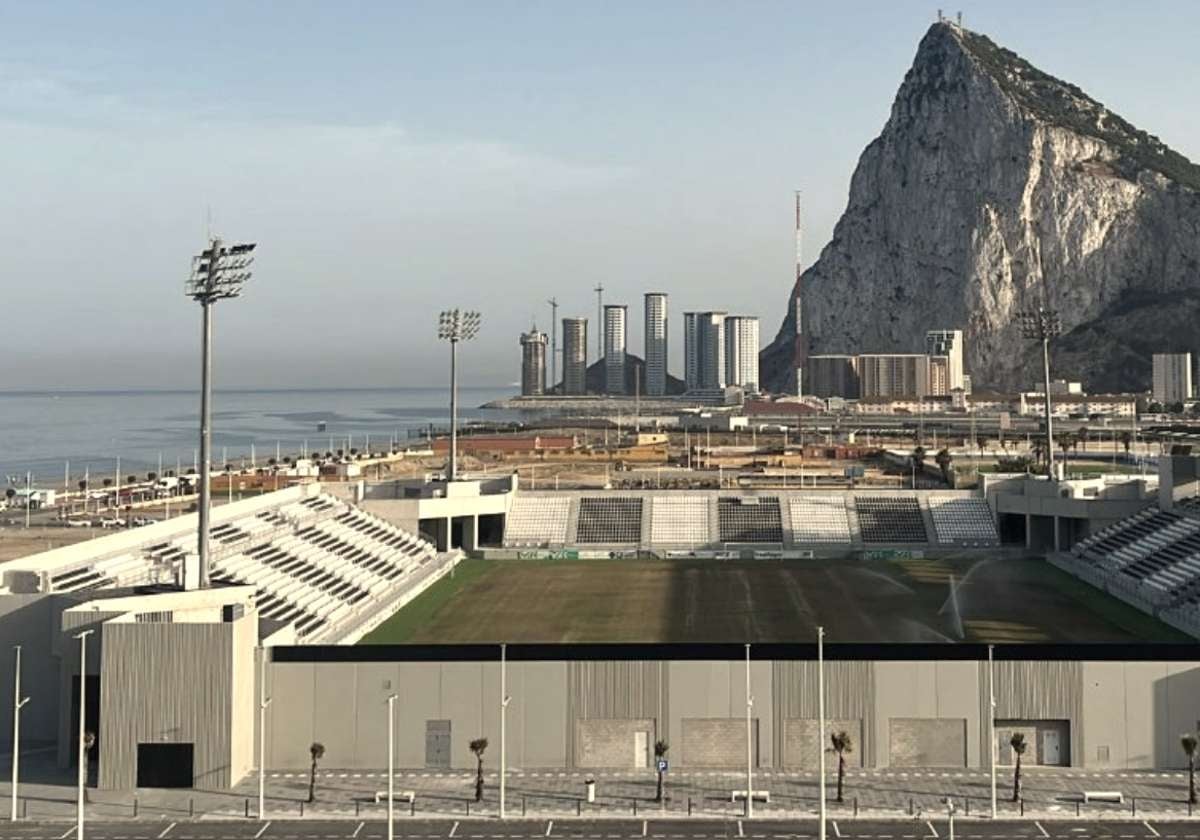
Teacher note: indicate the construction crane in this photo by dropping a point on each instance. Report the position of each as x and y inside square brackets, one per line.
[553, 342]
[599, 290]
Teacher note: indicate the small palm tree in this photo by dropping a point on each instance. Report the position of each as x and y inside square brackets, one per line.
[943, 460]
[1018, 744]
[1126, 440]
[317, 752]
[478, 746]
[1190, 745]
[841, 745]
[660, 752]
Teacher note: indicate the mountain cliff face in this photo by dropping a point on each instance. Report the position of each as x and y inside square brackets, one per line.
[992, 187]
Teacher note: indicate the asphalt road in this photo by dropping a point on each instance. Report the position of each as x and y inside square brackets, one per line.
[350, 829]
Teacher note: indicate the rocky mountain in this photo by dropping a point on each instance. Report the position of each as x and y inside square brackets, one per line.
[993, 187]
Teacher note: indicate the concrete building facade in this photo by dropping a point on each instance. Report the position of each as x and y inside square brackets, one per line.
[574, 338]
[704, 350]
[656, 344]
[893, 374]
[1172, 378]
[948, 343]
[833, 376]
[614, 348]
[741, 351]
[533, 363]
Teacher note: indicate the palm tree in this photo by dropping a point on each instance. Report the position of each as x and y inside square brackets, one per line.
[317, 752]
[478, 746]
[107, 482]
[1017, 742]
[841, 745]
[1126, 440]
[943, 459]
[1083, 434]
[10, 492]
[918, 462]
[152, 476]
[1190, 744]
[660, 752]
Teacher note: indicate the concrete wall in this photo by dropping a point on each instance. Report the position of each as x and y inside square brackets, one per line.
[28, 621]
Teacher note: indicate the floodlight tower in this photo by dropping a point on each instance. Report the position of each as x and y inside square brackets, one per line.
[1043, 324]
[455, 326]
[218, 273]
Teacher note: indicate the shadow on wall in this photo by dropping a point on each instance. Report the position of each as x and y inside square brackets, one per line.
[1176, 713]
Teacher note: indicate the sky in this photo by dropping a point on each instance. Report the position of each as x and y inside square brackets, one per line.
[395, 159]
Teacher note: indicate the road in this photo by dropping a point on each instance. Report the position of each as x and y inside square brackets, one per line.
[622, 829]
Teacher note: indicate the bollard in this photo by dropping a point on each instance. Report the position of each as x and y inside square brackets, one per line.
[247, 807]
[634, 801]
[968, 811]
[522, 804]
[1077, 807]
[302, 807]
[1022, 806]
[910, 806]
[356, 803]
[412, 807]
[192, 807]
[468, 807]
[1189, 807]
[578, 807]
[1133, 806]
[856, 806]
[689, 804]
[135, 807]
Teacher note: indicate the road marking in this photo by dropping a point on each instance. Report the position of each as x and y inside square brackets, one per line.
[932, 830]
[1040, 828]
[549, 827]
[166, 830]
[67, 833]
[454, 828]
[1150, 828]
[360, 828]
[741, 833]
[266, 825]
[837, 832]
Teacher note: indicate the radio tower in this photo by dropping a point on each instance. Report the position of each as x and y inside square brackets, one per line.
[599, 290]
[800, 349]
[553, 342]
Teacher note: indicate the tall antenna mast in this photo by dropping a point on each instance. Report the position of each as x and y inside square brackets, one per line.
[800, 347]
[599, 290]
[553, 341]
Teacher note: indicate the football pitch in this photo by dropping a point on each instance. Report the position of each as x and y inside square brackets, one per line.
[992, 600]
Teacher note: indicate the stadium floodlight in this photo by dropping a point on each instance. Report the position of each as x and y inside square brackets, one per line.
[455, 326]
[84, 744]
[18, 703]
[218, 273]
[1043, 324]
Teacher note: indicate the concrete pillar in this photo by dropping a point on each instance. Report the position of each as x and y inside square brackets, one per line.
[1029, 531]
[1057, 534]
[470, 533]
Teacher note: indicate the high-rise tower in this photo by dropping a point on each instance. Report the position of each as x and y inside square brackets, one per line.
[741, 351]
[656, 344]
[614, 348]
[574, 339]
[533, 363]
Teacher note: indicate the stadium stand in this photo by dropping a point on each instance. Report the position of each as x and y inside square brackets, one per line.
[819, 519]
[537, 520]
[960, 520]
[610, 519]
[679, 520]
[890, 519]
[749, 519]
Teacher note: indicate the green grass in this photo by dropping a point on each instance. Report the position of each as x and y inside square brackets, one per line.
[423, 609]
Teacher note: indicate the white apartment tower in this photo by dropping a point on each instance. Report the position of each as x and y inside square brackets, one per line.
[948, 343]
[614, 348]
[655, 349]
[741, 351]
[574, 339]
[704, 349]
[1172, 378]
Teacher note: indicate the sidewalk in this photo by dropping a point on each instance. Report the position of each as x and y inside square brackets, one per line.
[560, 794]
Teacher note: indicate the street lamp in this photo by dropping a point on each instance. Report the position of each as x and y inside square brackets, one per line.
[18, 702]
[992, 721]
[218, 273]
[455, 326]
[749, 742]
[504, 700]
[821, 724]
[83, 733]
[1043, 324]
[263, 702]
[391, 788]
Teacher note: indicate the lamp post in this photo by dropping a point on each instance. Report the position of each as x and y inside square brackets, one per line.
[821, 725]
[18, 702]
[83, 745]
[455, 326]
[391, 789]
[749, 742]
[263, 702]
[1043, 324]
[218, 273]
[992, 722]
[504, 698]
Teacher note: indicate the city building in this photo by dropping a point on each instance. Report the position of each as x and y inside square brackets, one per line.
[948, 343]
[741, 352]
[614, 348]
[574, 339]
[704, 350]
[1172, 378]
[893, 374]
[533, 363]
[939, 375]
[656, 343]
[832, 376]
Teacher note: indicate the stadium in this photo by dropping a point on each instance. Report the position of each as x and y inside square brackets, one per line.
[625, 617]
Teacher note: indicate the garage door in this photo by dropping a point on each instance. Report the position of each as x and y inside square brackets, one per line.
[717, 742]
[927, 742]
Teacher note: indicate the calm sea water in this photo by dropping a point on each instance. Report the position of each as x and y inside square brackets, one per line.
[40, 431]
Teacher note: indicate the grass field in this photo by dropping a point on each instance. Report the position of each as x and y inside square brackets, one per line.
[1001, 600]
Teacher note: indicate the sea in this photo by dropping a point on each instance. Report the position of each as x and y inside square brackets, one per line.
[51, 433]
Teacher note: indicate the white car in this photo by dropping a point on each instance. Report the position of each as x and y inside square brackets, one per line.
[79, 523]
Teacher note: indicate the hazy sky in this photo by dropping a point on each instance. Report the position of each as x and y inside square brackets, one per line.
[393, 159]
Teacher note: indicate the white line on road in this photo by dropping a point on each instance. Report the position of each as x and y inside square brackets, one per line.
[454, 828]
[837, 832]
[67, 833]
[262, 830]
[549, 827]
[1042, 829]
[932, 830]
[360, 828]
[1150, 828]
[166, 831]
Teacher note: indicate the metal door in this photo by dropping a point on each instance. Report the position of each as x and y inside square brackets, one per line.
[1050, 747]
[641, 749]
[437, 743]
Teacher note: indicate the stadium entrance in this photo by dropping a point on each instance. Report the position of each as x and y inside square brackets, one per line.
[165, 765]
